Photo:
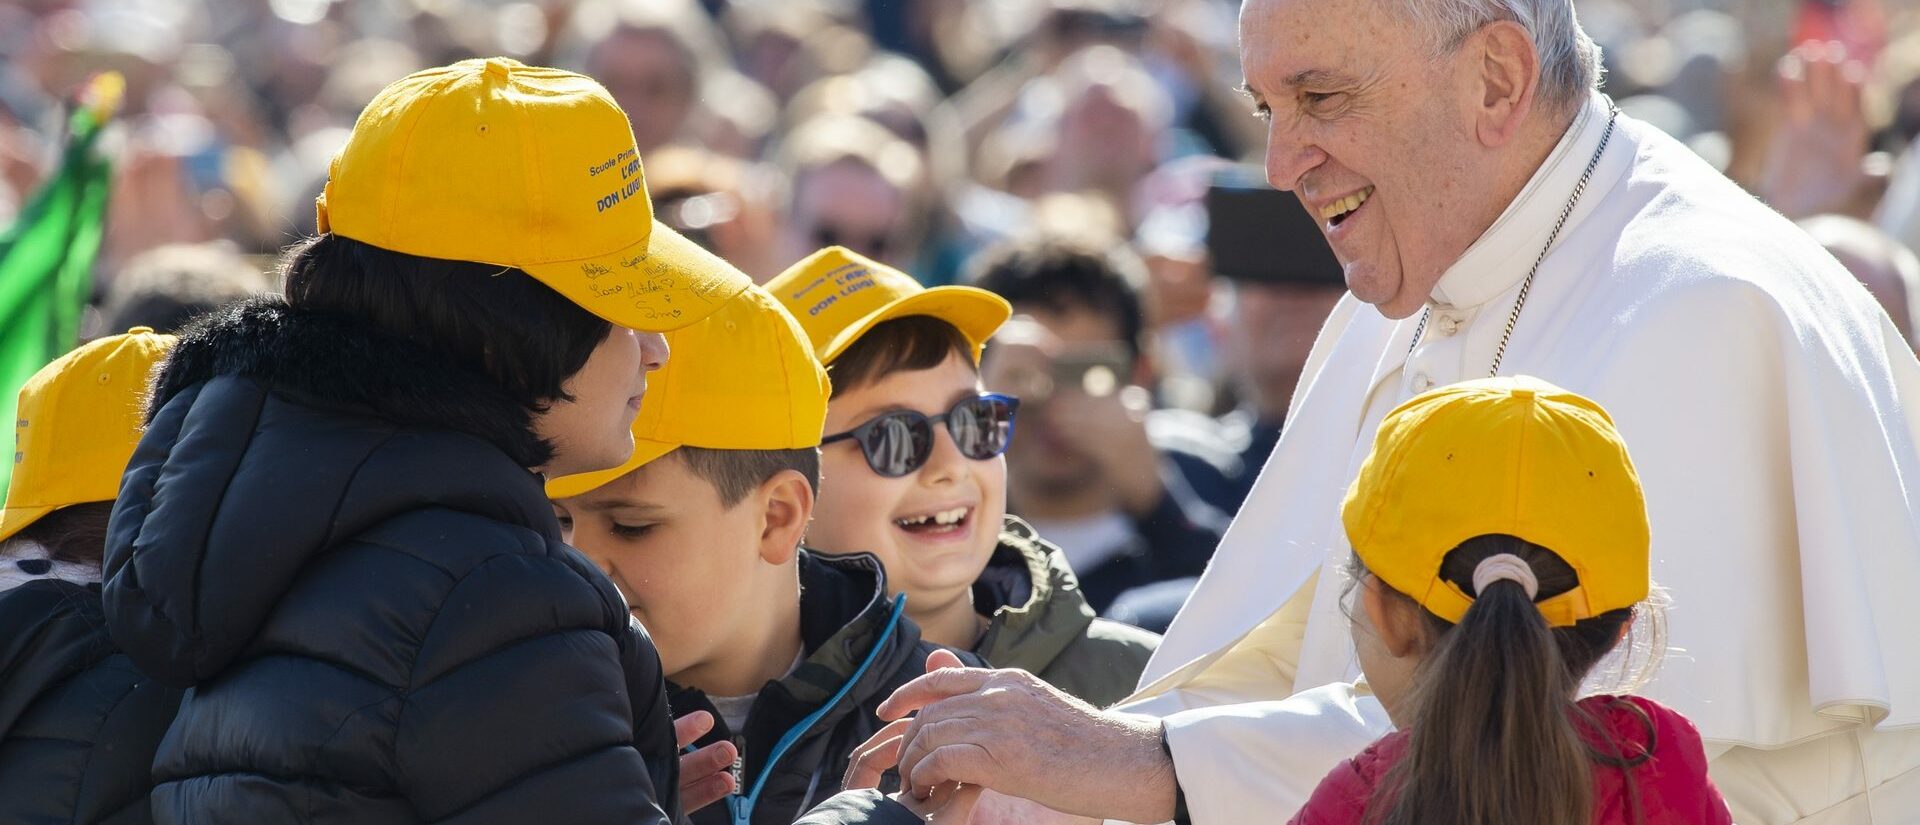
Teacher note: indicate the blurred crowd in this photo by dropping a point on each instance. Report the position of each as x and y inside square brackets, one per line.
[1059, 152]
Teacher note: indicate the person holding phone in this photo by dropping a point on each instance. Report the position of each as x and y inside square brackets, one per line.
[1286, 282]
[1087, 471]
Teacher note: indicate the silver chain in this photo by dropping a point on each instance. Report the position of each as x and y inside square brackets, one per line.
[1526, 286]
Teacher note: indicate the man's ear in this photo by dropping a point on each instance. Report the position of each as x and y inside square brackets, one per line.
[787, 507]
[1508, 69]
[1395, 620]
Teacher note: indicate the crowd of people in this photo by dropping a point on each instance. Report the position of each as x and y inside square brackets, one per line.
[731, 417]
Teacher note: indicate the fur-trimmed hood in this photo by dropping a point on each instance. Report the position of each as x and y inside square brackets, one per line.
[328, 359]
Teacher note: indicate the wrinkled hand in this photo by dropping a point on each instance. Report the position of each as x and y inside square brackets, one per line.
[1814, 164]
[1007, 731]
[999, 809]
[1113, 430]
[704, 775]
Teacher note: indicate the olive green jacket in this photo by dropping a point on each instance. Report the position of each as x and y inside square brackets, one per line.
[1040, 622]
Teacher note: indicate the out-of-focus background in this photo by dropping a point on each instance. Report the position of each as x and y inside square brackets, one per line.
[1078, 155]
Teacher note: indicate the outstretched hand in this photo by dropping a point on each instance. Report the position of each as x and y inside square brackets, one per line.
[1008, 731]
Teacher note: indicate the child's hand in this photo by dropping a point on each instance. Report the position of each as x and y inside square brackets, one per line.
[949, 804]
[705, 777]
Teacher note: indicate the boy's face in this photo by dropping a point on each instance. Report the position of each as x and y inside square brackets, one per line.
[684, 561]
[862, 511]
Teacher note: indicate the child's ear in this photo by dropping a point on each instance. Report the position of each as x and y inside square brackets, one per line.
[789, 506]
[1394, 619]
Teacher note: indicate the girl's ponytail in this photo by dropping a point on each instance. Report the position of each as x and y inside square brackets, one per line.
[1495, 734]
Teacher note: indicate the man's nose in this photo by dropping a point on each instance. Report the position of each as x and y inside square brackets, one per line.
[1289, 157]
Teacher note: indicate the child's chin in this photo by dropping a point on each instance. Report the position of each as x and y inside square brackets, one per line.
[951, 576]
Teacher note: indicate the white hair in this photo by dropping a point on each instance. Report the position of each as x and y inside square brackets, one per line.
[1569, 59]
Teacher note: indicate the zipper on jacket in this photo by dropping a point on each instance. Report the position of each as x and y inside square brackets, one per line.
[741, 806]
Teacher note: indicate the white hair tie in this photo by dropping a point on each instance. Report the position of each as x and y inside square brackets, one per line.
[1504, 566]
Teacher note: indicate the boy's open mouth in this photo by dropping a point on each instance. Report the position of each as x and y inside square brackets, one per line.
[937, 523]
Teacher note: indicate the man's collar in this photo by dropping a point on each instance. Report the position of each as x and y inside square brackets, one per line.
[1500, 258]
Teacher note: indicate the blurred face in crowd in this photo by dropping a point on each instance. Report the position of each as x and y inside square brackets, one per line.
[1044, 356]
[1116, 144]
[1396, 152]
[651, 78]
[848, 204]
[863, 511]
[1273, 331]
[697, 573]
[594, 430]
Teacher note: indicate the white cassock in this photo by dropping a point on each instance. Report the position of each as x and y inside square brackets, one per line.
[1773, 413]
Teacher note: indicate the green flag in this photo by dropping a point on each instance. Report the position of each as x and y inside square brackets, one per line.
[46, 257]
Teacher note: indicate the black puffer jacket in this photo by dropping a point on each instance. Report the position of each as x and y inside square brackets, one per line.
[330, 535]
[801, 730]
[78, 722]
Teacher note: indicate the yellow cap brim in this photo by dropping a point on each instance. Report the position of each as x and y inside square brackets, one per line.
[977, 313]
[644, 452]
[16, 519]
[658, 285]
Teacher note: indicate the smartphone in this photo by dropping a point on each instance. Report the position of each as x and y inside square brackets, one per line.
[1260, 234]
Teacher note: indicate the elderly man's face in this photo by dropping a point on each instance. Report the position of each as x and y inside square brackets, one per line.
[1374, 134]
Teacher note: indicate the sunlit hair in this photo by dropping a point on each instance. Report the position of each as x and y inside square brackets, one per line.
[1495, 733]
[1569, 59]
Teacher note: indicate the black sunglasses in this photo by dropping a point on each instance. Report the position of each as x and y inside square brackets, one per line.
[900, 442]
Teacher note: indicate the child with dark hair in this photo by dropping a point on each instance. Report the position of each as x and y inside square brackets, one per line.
[1133, 495]
[1500, 549]
[78, 722]
[915, 475]
[789, 652]
[334, 529]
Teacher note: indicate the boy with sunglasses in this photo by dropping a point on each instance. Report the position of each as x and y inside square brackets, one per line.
[913, 454]
[700, 529]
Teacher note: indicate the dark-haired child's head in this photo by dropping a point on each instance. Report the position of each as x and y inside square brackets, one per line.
[1081, 312]
[701, 542]
[1394, 635]
[904, 360]
[580, 376]
[936, 527]
[1478, 646]
[700, 526]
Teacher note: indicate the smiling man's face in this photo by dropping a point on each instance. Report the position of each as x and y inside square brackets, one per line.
[1377, 137]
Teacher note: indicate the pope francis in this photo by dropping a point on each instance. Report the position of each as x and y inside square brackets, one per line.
[1496, 215]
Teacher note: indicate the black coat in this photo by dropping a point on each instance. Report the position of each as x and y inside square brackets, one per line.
[78, 722]
[859, 649]
[330, 535]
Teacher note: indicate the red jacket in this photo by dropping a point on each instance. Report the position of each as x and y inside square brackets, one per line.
[1673, 784]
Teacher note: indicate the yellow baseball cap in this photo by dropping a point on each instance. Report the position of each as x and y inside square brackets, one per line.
[1502, 456]
[837, 295]
[519, 166]
[744, 378]
[79, 420]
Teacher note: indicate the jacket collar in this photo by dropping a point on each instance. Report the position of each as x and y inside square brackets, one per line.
[844, 611]
[1036, 607]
